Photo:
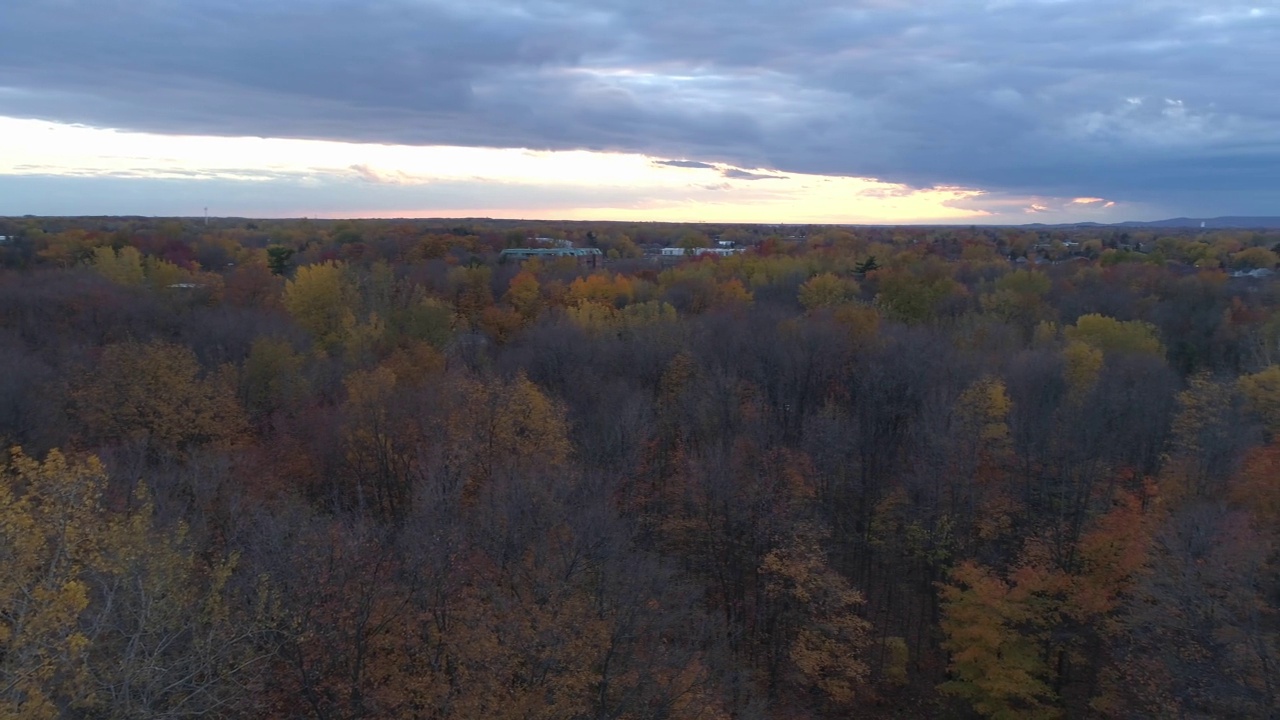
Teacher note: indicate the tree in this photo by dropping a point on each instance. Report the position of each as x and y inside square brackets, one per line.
[504, 430]
[1081, 368]
[827, 290]
[1197, 637]
[1204, 444]
[278, 259]
[982, 458]
[524, 295]
[321, 300]
[996, 665]
[154, 394]
[105, 615]
[472, 292]
[815, 617]
[867, 265]
[1255, 257]
[914, 296]
[1262, 394]
[380, 445]
[47, 541]
[1019, 298]
[271, 379]
[123, 266]
[1111, 335]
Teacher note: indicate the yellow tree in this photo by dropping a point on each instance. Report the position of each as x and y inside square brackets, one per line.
[472, 292]
[1203, 440]
[380, 444]
[982, 457]
[49, 520]
[67, 248]
[505, 430]
[996, 664]
[154, 394]
[815, 615]
[321, 299]
[917, 294]
[1019, 298]
[165, 639]
[599, 288]
[1110, 335]
[101, 613]
[524, 295]
[123, 266]
[827, 290]
[1082, 366]
[652, 312]
[592, 316]
[1262, 393]
[271, 379]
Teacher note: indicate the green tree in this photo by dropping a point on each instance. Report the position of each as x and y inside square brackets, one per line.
[278, 259]
[867, 265]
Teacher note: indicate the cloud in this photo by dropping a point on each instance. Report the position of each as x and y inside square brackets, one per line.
[737, 174]
[693, 164]
[1164, 102]
[379, 176]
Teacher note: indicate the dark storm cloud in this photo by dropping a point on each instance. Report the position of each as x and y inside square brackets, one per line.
[1161, 101]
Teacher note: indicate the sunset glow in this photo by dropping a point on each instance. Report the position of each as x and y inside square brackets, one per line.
[578, 185]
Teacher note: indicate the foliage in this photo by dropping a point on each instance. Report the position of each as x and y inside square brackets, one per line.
[1262, 393]
[1110, 335]
[996, 662]
[102, 613]
[827, 290]
[155, 394]
[364, 469]
[321, 300]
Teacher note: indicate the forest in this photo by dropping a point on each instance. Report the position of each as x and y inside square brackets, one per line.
[367, 469]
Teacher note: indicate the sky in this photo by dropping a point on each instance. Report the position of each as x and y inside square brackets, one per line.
[824, 111]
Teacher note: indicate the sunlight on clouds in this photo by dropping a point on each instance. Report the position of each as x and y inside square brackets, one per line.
[651, 189]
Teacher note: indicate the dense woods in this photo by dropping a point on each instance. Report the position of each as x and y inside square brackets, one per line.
[309, 469]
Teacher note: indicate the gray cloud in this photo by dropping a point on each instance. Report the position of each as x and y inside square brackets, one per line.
[694, 164]
[1163, 102]
[737, 174]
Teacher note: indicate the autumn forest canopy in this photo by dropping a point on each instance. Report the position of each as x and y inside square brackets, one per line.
[375, 469]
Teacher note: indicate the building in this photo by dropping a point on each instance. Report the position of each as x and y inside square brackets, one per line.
[554, 242]
[587, 257]
[680, 252]
[1258, 274]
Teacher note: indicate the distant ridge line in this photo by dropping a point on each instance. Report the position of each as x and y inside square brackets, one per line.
[1217, 223]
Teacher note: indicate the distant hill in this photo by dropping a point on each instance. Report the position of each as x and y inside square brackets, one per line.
[1218, 223]
[1210, 223]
